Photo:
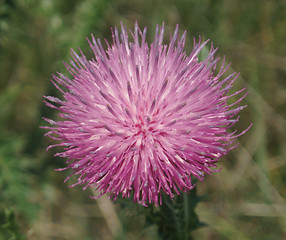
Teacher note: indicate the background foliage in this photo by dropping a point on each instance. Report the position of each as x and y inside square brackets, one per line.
[246, 200]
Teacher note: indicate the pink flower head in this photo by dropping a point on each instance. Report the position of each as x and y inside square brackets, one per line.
[143, 119]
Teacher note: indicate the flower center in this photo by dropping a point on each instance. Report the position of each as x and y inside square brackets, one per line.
[143, 132]
[143, 126]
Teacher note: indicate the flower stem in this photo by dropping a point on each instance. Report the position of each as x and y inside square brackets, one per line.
[176, 218]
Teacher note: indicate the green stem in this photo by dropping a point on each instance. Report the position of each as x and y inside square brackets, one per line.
[176, 218]
[179, 232]
[186, 213]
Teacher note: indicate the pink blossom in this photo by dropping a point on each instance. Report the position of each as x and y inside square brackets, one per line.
[142, 120]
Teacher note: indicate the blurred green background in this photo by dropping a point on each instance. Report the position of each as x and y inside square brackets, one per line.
[246, 200]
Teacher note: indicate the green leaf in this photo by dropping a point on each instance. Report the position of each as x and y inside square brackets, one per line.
[9, 229]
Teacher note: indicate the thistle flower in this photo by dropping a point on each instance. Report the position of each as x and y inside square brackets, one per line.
[142, 120]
